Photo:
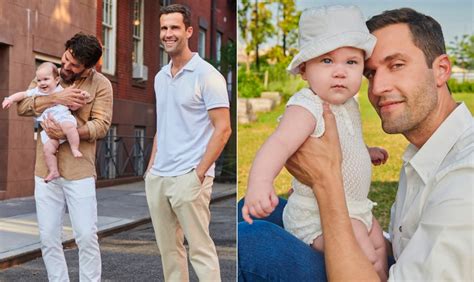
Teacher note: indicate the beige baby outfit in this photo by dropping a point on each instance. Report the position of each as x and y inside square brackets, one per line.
[301, 214]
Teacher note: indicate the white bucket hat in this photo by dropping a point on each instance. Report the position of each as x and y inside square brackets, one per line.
[327, 28]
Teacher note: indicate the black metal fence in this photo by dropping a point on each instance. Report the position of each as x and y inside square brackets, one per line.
[126, 156]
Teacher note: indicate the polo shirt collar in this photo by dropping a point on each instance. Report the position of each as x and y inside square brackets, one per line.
[428, 158]
[190, 65]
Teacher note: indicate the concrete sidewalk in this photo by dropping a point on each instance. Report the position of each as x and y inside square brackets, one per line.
[119, 208]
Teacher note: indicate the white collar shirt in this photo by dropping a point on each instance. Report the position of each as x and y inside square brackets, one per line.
[432, 219]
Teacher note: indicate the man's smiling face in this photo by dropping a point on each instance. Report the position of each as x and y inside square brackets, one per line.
[402, 88]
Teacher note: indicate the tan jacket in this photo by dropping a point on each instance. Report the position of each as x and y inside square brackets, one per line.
[96, 114]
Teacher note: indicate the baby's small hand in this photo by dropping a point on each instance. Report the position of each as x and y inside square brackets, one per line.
[259, 202]
[6, 103]
[378, 155]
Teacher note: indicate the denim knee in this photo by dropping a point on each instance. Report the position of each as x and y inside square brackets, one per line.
[267, 252]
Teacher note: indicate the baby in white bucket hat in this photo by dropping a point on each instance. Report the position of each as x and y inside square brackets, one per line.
[334, 42]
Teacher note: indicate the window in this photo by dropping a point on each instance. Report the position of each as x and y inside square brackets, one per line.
[164, 58]
[109, 23]
[137, 54]
[218, 46]
[139, 151]
[202, 43]
[165, 2]
[111, 149]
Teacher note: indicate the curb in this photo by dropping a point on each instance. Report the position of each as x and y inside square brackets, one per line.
[69, 244]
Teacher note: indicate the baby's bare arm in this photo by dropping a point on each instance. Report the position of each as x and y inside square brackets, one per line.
[295, 127]
[13, 99]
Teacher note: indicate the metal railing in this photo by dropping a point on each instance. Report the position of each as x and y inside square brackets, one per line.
[126, 156]
[122, 156]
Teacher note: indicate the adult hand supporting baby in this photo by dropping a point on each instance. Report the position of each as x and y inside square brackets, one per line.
[70, 97]
[52, 128]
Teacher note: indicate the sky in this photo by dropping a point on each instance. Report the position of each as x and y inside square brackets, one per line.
[456, 17]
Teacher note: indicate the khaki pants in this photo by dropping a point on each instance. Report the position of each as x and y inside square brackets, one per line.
[181, 204]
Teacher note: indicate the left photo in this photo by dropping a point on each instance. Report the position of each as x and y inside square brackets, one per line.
[119, 144]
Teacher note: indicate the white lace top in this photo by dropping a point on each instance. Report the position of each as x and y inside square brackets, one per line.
[356, 165]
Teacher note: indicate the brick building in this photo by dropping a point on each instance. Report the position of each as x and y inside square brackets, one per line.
[35, 31]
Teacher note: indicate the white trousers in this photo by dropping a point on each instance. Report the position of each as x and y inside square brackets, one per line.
[51, 200]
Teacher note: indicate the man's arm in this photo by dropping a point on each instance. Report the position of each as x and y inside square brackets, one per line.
[36, 105]
[318, 164]
[153, 154]
[99, 121]
[220, 119]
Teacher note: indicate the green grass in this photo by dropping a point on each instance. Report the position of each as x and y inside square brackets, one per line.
[384, 178]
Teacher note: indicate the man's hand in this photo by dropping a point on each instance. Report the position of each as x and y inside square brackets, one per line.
[52, 128]
[259, 202]
[200, 174]
[70, 97]
[378, 155]
[318, 159]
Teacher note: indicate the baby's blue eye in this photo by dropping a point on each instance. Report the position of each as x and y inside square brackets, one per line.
[326, 61]
[352, 62]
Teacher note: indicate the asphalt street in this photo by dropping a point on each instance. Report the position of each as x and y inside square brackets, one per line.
[132, 255]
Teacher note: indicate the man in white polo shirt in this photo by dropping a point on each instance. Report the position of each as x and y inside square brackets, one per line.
[193, 126]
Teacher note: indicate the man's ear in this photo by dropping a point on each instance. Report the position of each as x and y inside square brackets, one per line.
[303, 71]
[441, 69]
[189, 31]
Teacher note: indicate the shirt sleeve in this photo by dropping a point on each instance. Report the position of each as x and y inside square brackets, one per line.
[101, 112]
[442, 246]
[214, 91]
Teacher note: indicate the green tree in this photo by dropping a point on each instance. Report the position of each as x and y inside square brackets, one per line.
[244, 27]
[461, 51]
[288, 23]
[260, 27]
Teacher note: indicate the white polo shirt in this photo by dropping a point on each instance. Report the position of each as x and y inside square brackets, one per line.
[183, 124]
[432, 219]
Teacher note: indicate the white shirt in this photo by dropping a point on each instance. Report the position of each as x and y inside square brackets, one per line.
[183, 124]
[432, 219]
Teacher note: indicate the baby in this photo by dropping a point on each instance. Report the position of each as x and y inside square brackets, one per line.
[334, 42]
[47, 77]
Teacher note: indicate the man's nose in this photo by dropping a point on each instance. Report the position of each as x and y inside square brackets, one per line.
[379, 84]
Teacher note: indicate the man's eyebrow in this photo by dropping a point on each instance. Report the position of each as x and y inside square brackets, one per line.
[396, 56]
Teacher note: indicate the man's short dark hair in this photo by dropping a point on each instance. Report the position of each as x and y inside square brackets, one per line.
[85, 48]
[178, 8]
[425, 31]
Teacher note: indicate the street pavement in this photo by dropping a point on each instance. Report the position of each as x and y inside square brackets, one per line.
[120, 208]
[132, 255]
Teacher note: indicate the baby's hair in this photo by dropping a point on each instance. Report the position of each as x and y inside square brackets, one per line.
[51, 66]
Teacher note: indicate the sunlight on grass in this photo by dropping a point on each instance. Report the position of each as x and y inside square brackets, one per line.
[384, 178]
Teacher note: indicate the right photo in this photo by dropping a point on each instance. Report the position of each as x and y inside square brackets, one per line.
[355, 140]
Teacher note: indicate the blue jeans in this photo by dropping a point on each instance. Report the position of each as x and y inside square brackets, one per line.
[267, 252]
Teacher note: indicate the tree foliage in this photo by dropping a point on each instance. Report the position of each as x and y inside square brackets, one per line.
[461, 51]
[287, 22]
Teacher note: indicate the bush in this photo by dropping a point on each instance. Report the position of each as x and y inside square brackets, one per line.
[461, 87]
[249, 85]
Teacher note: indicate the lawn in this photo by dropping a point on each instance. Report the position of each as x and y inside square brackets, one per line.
[384, 178]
